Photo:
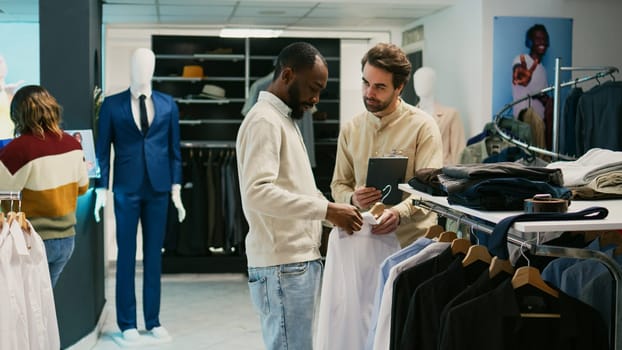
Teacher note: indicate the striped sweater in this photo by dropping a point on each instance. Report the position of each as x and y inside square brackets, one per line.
[50, 173]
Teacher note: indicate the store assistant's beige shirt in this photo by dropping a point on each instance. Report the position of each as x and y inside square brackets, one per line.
[409, 132]
[280, 199]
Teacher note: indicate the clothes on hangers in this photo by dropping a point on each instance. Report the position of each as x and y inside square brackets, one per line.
[538, 128]
[383, 277]
[352, 267]
[215, 223]
[599, 118]
[383, 331]
[421, 327]
[492, 321]
[28, 317]
[567, 137]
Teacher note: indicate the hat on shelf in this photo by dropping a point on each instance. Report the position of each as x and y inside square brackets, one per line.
[192, 71]
[212, 91]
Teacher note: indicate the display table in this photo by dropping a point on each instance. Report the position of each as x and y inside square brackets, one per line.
[612, 222]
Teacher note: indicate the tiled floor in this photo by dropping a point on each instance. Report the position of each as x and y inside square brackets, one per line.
[211, 311]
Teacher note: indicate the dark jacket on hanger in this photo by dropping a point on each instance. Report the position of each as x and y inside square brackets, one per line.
[599, 118]
[492, 321]
[567, 137]
[405, 285]
[421, 328]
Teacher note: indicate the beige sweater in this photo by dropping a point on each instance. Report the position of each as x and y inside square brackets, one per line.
[280, 199]
[408, 131]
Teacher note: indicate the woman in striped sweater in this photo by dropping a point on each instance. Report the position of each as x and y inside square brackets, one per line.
[48, 167]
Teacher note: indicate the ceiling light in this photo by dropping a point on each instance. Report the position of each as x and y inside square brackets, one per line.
[249, 33]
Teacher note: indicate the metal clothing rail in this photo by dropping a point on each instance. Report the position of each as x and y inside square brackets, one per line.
[11, 195]
[207, 144]
[546, 250]
[602, 72]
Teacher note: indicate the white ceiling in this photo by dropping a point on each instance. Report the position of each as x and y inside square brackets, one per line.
[281, 14]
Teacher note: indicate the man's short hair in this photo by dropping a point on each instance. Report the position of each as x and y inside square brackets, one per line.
[297, 56]
[390, 58]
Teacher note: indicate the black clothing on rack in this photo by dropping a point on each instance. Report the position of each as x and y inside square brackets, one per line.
[599, 118]
[567, 136]
[492, 321]
[405, 285]
[421, 328]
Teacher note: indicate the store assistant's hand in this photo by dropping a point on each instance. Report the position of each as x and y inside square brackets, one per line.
[521, 74]
[365, 197]
[389, 221]
[100, 202]
[176, 198]
[345, 216]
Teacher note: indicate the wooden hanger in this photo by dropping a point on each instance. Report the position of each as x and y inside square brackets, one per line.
[21, 220]
[497, 265]
[23, 223]
[377, 210]
[527, 275]
[433, 231]
[476, 253]
[460, 245]
[447, 236]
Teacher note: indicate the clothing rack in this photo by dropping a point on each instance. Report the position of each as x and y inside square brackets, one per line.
[207, 144]
[602, 72]
[11, 195]
[543, 250]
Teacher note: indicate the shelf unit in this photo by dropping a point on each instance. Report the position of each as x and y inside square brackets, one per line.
[233, 64]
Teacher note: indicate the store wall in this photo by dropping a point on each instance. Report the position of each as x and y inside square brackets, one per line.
[458, 44]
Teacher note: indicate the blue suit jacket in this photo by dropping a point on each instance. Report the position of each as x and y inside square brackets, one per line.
[159, 149]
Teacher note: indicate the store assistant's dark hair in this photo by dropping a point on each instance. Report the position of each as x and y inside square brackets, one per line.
[390, 58]
[35, 111]
[298, 55]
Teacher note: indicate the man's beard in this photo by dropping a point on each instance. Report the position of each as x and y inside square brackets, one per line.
[377, 105]
[294, 102]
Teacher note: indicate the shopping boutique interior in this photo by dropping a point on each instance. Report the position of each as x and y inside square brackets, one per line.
[527, 97]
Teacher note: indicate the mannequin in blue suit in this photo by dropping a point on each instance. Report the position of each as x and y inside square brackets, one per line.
[147, 167]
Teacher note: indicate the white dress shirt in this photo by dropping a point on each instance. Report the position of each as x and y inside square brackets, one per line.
[348, 286]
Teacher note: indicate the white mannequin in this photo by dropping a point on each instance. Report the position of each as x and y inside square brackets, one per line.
[142, 66]
[447, 118]
[424, 81]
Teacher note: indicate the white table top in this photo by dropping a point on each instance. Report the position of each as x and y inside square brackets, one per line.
[613, 221]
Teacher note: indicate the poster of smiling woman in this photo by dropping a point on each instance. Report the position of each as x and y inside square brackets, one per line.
[524, 52]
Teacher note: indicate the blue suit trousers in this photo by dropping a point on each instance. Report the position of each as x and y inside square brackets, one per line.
[151, 208]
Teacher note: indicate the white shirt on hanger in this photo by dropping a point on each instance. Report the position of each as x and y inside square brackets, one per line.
[41, 312]
[348, 286]
[13, 318]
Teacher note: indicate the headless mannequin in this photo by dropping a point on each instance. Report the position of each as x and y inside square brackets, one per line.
[142, 67]
[425, 84]
[448, 119]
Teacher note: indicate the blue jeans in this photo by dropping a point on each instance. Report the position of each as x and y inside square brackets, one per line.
[286, 298]
[58, 251]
